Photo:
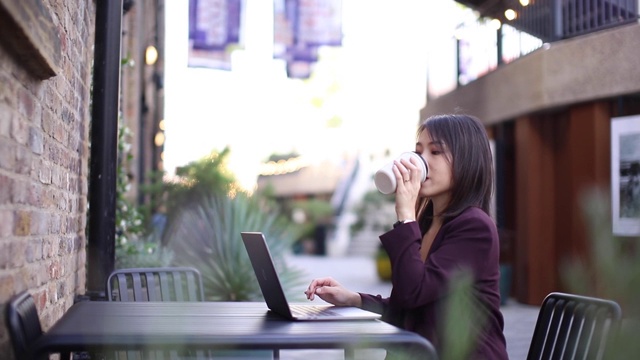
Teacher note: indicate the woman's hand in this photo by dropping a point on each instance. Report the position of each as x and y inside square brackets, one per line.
[408, 188]
[332, 292]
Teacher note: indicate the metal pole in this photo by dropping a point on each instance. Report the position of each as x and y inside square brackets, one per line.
[104, 141]
[499, 45]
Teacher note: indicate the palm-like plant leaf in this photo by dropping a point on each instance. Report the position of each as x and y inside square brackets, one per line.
[206, 235]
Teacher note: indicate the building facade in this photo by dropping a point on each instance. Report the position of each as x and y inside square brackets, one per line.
[45, 82]
[549, 113]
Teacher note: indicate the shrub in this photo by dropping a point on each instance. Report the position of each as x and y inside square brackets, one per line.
[206, 234]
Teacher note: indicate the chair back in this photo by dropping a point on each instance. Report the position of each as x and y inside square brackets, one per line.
[23, 323]
[574, 327]
[155, 284]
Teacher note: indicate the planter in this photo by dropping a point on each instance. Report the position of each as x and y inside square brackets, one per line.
[383, 265]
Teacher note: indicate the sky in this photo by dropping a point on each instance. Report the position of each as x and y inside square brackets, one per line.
[256, 110]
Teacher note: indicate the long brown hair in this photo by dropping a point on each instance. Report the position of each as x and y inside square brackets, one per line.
[469, 153]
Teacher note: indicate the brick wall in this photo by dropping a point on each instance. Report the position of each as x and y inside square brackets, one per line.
[44, 151]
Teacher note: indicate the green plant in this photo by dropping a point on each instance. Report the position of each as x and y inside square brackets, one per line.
[134, 247]
[464, 317]
[206, 234]
[206, 175]
[143, 253]
[194, 181]
[373, 212]
[129, 221]
[611, 271]
[317, 211]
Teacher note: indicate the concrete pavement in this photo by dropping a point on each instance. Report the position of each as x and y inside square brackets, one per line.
[359, 274]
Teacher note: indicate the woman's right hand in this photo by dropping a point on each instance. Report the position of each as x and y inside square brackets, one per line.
[332, 292]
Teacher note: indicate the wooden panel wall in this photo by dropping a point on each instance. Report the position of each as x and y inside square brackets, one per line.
[557, 157]
[535, 213]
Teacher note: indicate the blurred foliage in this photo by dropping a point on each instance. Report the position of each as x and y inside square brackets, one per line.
[307, 213]
[206, 235]
[142, 253]
[201, 213]
[316, 211]
[129, 221]
[612, 271]
[208, 175]
[464, 319]
[370, 212]
[134, 247]
[205, 176]
[275, 157]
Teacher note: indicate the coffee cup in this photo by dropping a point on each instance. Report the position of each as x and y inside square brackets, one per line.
[385, 179]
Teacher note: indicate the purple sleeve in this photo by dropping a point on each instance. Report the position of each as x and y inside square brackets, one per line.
[376, 304]
[469, 242]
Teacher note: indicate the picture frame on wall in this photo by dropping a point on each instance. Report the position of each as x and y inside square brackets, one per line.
[625, 175]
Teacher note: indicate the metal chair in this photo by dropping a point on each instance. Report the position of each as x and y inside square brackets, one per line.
[574, 327]
[24, 325]
[155, 284]
[166, 284]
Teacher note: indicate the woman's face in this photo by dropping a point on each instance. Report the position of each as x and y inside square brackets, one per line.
[439, 179]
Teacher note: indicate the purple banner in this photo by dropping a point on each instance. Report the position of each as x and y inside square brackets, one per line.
[213, 25]
[300, 27]
[299, 69]
[319, 22]
[284, 13]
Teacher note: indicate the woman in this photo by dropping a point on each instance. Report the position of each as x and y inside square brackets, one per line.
[443, 227]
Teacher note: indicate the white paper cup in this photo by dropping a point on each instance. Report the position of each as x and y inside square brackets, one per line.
[385, 180]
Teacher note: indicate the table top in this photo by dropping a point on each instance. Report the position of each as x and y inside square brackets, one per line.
[99, 325]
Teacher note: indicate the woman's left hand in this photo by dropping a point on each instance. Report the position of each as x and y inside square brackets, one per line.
[408, 178]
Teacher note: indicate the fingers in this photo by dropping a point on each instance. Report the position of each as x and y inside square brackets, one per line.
[405, 169]
[317, 284]
[398, 173]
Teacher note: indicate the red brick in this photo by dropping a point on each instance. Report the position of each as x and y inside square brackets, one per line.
[41, 300]
[19, 131]
[23, 223]
[39, 222]
[6, 224]
[36, 140]
[5, 183]
[7, 286]
[23, 160]
[6, 119]
[19, 192]
[5, 254]
[7, 155]
[25, 103]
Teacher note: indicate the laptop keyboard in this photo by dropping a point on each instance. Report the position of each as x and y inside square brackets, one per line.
[312, 311]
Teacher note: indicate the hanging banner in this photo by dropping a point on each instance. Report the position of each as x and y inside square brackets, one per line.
[283, 19]
[301, 27]
[319, 22]
[213, 26]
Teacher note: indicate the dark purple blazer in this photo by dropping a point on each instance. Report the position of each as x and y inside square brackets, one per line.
[468, 241]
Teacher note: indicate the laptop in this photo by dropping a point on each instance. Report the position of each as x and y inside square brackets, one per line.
[271, 288]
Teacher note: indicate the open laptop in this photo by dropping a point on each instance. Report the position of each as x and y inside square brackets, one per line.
[274, 296]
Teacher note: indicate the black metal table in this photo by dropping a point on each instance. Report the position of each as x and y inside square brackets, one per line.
[98, 326]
